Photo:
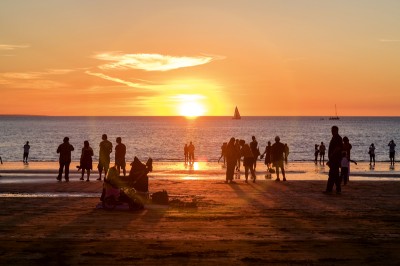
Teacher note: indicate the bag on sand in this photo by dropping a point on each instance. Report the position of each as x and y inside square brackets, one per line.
[160, 197]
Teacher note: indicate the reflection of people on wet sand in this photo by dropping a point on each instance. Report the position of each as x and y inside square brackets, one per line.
[186, 153]
[371, 152]
[392, 151]
[322, 149]
[248, 161]
[64, 150]
[86, 160]
[277, 153]
[191, 153]
[316, 151]
[104, 156]
[26, 152]
[223, 152]
[334, 157]
[120, 151]
[231, 158]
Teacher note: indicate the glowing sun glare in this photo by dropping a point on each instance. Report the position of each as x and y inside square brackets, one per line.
[191, 109]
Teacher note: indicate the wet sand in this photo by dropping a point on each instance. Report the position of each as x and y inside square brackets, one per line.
[208, 222]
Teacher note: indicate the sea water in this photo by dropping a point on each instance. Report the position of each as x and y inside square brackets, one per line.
[163, 138]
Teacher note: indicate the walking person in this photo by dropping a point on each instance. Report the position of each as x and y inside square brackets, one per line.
[104, 156]
[230, 160]
[238, 154]
[392, 152]
[248, 161]
[334, 156]
[255, 151]
[191, 149]
[316, 151]
[223, 152]
[26, 152]
[120, 152]
[322, 149]
[267, 154]
[277, 154]
[371, 152]
[186, 153]
[64, 150]
[286, 152]
[86, 163]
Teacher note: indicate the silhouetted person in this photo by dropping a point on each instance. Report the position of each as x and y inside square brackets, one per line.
[238, 154]
[223, 152]
[191, 153]
[64, 150]
[186, 153]
[1, 160]
[334, 156]
[248, 161]
[120, 151]
[392, 152]
[316, 151]
[26, 152]
[322, 149]
[371, 152]
[255, 151]
[231, 158]
[267, 154]
[344, 168]
[86, 162]
[277, 155]
[104, 156]
[286, 152]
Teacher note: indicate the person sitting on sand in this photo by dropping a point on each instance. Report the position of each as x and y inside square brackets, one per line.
[86, 160]
[277, 153]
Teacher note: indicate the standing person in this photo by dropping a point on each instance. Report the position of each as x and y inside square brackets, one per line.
[286, 152]
[277, 152]
[26, 152]
[371, 152]
[255, 151]
[223, 152]
[191, 149]
[322, 149]
[64, 150]
[104, 156]
[334, 156]
[120, 151]
[267, 154]
[392, 151]
[344, 168]
[186, 153]
[230, 160]
[238, 154]
[316, 151]
[248, 161]
[86, 160]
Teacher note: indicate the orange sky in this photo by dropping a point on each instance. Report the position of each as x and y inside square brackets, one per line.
[186, 58]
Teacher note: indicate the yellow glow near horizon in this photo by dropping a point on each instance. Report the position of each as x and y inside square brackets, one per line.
[190, 106]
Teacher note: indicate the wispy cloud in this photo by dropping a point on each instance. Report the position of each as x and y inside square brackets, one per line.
[151, 62]
[389, 40]
[9, 47]
[118, 80]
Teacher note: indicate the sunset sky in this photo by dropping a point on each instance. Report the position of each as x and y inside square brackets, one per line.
[298, 57]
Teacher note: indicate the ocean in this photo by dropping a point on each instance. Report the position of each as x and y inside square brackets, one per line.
[163, 138]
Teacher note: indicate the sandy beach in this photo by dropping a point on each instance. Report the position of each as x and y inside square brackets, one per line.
[208, 222]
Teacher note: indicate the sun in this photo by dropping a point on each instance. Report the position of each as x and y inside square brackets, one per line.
[191, 109]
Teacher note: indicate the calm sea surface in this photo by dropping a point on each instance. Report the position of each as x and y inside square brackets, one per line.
[163, 138]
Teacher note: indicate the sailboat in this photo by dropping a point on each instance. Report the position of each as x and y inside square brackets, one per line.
[236, 115]
[334, 117]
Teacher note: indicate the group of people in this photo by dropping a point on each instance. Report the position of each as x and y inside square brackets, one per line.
[320, 150]
[236, 149]
[188, 151]
[86, 162]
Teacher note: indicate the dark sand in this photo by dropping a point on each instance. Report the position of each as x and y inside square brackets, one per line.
[210, 223]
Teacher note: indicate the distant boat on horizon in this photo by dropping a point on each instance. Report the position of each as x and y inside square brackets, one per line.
[236, 115]
[335, 117]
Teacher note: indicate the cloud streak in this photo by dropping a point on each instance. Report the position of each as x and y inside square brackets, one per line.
[8, 47]
[150, 62]
[388, 40]
[118, 80]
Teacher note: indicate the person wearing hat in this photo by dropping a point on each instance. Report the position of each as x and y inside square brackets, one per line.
[277, 156]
